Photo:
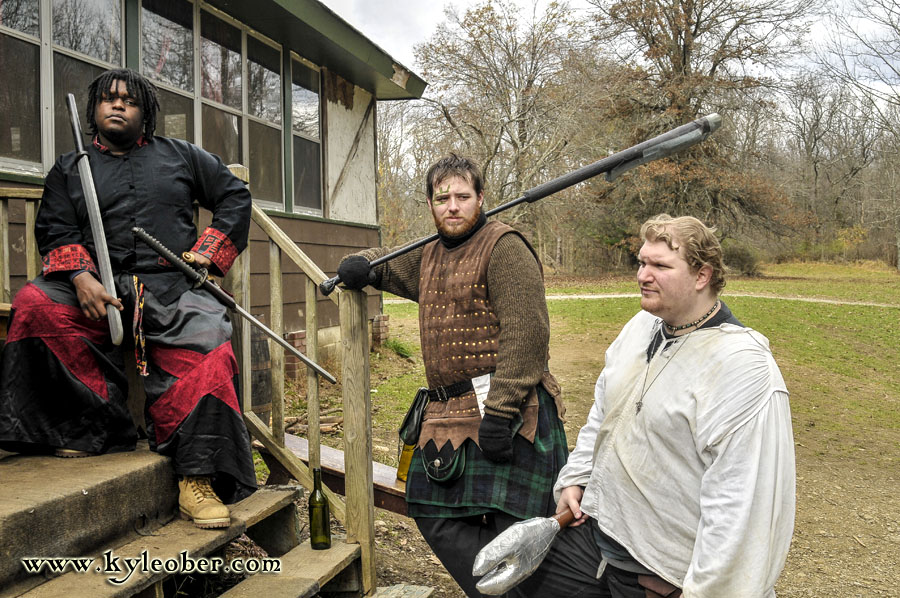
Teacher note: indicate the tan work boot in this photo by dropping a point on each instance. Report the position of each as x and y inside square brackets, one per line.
[198, 501]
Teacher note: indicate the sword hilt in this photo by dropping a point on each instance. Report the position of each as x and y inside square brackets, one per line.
[197, 276]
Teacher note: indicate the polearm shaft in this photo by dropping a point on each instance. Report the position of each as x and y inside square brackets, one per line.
[93, 210]
[660, 146]
[199, 278]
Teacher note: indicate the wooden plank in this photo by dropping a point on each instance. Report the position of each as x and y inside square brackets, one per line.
[290, 248]
[166, 543]
[263, 503]
[273, 586]
[276, 352]
[293, 465]
[26, 193]
[5, 294]
[32, 256]
[403, 591]
[321, 565]
[388, 492]
[312, 380]
[302, 569]
[358, 430]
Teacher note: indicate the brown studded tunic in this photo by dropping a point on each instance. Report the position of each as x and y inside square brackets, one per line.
[504, 320]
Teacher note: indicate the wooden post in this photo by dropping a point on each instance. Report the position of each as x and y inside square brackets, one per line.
[312, 379]
[238, 280]
[32, 257]
[4, 251]
[276, 352]
[358, 431]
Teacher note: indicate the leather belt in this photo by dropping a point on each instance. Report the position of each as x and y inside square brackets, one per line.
[445, 393]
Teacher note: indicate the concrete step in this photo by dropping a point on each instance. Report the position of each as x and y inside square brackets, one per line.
[174, 548]
[52, 507]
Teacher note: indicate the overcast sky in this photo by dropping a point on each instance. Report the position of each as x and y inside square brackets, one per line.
[398, 25]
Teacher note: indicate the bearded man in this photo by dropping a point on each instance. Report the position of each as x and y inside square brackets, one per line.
[492, 438]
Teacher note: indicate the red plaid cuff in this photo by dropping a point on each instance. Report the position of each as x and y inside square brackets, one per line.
[68, 258]
[216, 245]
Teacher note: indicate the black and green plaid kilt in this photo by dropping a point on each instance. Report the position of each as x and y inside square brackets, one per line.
[522, 488]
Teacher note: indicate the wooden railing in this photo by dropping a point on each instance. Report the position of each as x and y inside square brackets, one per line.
[357, 512]
[31, 198]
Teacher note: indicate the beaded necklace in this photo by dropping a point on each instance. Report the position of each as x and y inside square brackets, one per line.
[696, 322]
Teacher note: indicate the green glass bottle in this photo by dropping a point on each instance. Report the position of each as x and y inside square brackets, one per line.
[319, 515]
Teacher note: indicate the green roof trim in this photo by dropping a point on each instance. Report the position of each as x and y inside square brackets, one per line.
[316, 33]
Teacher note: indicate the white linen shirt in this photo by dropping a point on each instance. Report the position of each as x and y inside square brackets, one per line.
[698, 484]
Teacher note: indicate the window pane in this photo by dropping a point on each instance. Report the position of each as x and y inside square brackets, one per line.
[220, 61]
[20, 99]
[70, 76]
[21, 15]
[265, 162]
[92, 27]
[305, 100]
[264, 86]
[175, 117]
[307, 174]
[222, 134]
[168, 44]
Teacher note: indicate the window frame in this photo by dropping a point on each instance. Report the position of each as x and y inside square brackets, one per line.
[302, 210]
[245, 91]
[132, 54]
[46, 77]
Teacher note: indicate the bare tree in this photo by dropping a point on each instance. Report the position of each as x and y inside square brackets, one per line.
[863, 53]
[686, 58]
[694, 53]
[499, 85]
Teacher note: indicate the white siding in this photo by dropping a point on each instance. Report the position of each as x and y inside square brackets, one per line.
[351, 177]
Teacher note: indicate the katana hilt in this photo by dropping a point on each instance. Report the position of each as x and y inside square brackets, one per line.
[197, 276]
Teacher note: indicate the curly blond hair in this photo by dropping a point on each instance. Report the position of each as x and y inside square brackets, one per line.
[701, 247]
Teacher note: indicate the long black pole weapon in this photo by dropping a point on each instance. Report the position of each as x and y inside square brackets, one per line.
[653, 149]
[200, 278]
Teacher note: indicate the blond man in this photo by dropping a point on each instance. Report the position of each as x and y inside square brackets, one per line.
[682, 479]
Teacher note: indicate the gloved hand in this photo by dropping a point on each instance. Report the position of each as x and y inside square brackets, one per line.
[495, 438]
[355, 272]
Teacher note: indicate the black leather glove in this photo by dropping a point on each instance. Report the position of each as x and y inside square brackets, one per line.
[355, 272]
[495, 438]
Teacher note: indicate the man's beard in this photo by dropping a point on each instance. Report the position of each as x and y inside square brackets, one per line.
[459, 230]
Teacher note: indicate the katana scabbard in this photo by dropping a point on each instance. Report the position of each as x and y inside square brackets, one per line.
[200, 278]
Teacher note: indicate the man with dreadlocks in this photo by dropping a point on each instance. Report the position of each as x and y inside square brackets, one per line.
[63, 388]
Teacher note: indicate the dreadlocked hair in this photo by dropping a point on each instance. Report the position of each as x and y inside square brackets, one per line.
[139, 88]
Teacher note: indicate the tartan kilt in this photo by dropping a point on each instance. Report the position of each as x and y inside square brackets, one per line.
[522, 488]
